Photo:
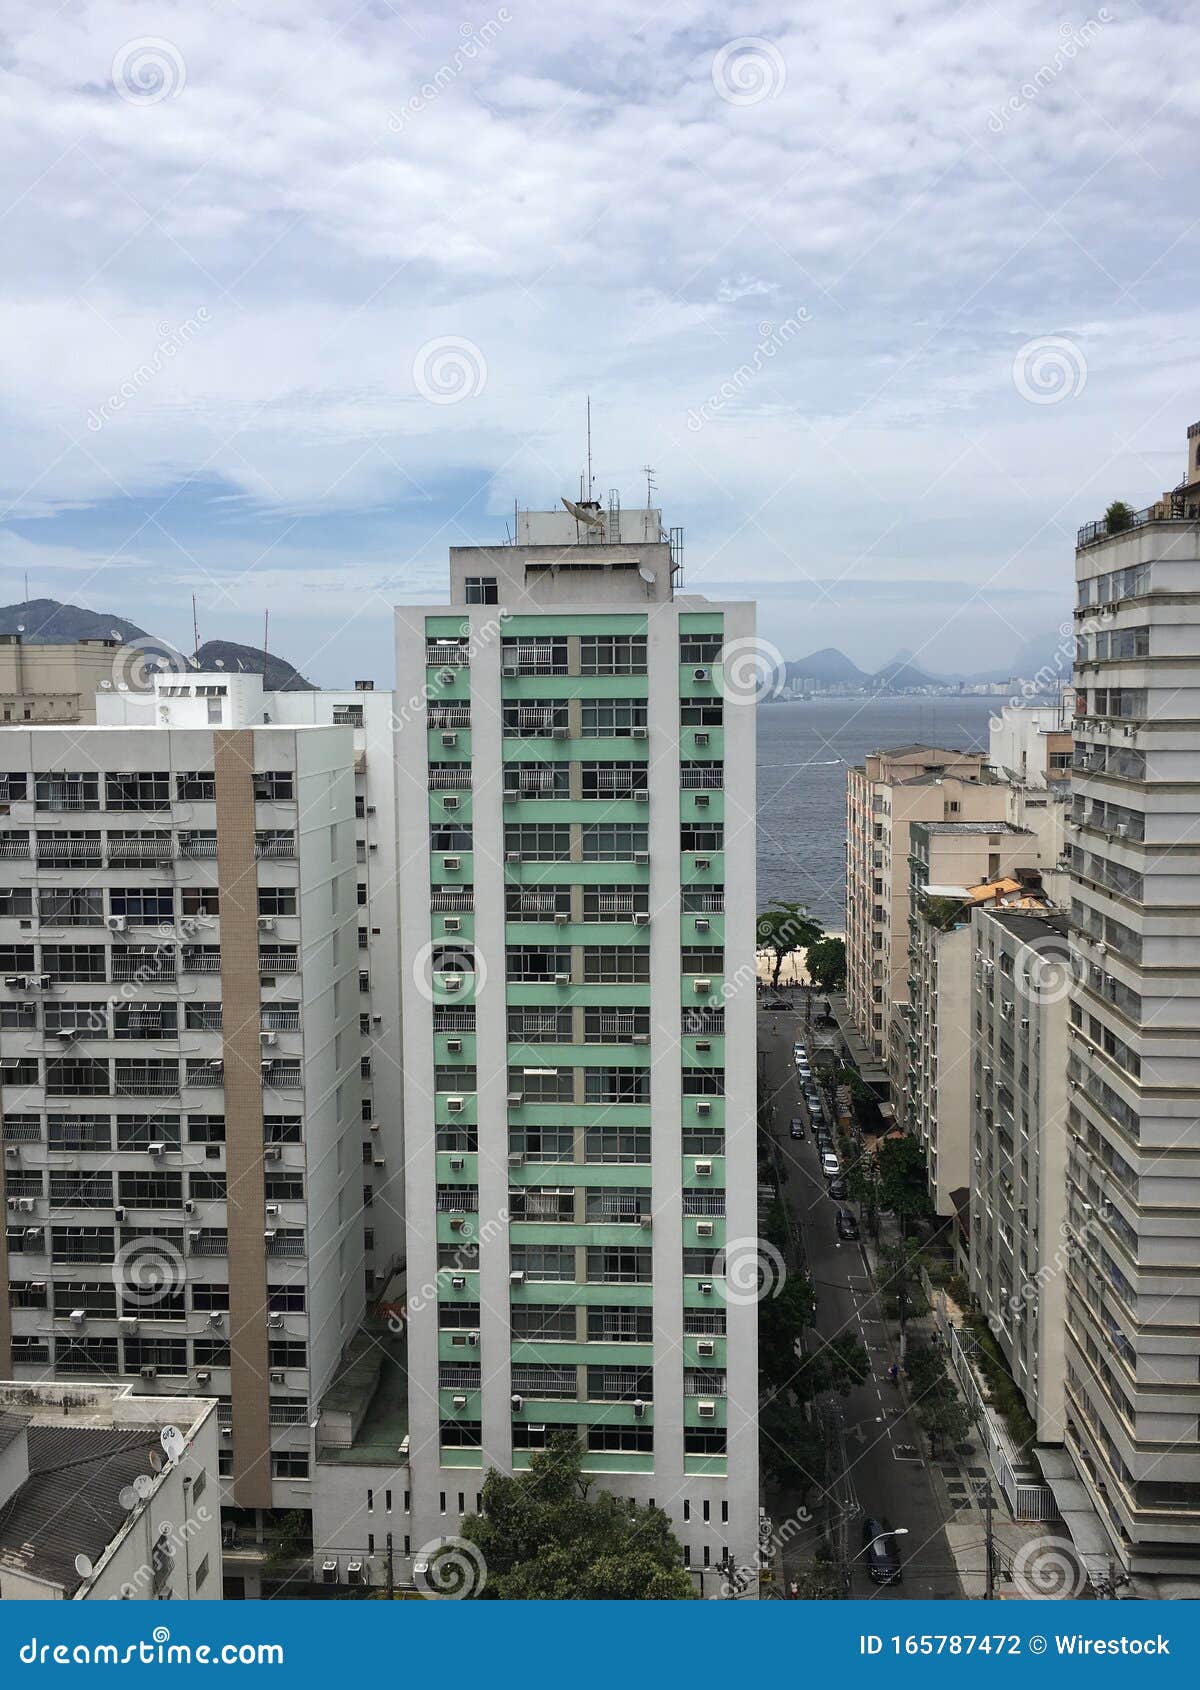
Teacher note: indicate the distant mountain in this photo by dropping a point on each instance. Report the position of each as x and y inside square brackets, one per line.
[827, 667]
[47, 622]
[277, 673]
[898, 675]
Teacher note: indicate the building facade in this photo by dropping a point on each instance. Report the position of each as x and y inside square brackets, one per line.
[1133, 1299]
[577, 824]
[180, 998]
[1020, 976]
[884, 797]
[54, 683]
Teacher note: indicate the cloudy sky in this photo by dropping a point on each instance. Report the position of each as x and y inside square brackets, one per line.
[891, 298]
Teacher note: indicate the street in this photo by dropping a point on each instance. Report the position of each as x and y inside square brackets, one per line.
[880, 1462]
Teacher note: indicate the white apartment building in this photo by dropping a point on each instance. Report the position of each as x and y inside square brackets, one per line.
[1030, 744]
[1020, 975]
[107, 1495]
[1133, 1301]
[953, 867]
[576, 860]
[884, 797]
[180, 1005]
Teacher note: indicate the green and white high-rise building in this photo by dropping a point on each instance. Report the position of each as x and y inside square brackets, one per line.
[577, 822]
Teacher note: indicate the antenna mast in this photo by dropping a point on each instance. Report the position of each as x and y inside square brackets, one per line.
[266, 630]
[195, 625]
[589, 446]
[648, 472]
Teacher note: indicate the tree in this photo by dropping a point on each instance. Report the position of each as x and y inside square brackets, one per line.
[840, 1365]
[543, 1538]
[943, 1414]
[792, 1448]
[826, 963]
[781, 1320]
[1118, 517]
[903, 1179]
[784, 929]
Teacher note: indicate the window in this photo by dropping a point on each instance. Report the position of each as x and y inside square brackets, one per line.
[694, 714]
[482, 589]
[80, 963]
[544, 1261]
[617, 1145]
[542, 1203]
[613, 842]
[289, 1464]
[612, 718]
[615, 903]
[616, 965]
[150, 1190]
[449, 836]
[542, 1144]
[137, 791]
[620, 1326]
[630, 1438]
[203, 1017]
[195, 785]
[82, 1244]
[704, 839]
[206, 1129]
[56, 791]
[539, 842]
[617, 1085]
[537, 962]
[604, 1024]
[287, 1353]
[541, 1026]
[282, 1129]
[549, 1323]
[78, 1132]
[703, 1082]
[700, 648]
[148, 906]
[286, 1299]
[97, 1298]
[145, 1020]
[620, 1384]
[208, 1299]
[277, 900]
[536, 654]
[537, 780]
[613, 780]
[612, 654]
[617, 1205]
[206, 1188]
[542, 1085]
[71, 906]
[542, 720]
[610, 1264]
[274, 785]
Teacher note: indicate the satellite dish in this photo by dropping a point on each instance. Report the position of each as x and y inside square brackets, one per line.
[143, 1485]
[647, 575]
[156, 1461]
[218, 662]
[116, 633]
[173, 1441]
[105, 686]
[589, 518]
[128, 1498]
[83, 1567]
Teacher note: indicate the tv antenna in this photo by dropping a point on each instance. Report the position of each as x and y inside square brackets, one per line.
[589, 449]
[648, 472]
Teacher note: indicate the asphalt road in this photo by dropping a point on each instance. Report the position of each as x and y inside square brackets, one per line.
[883, 1468]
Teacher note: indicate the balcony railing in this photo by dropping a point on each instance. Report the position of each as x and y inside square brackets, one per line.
[210, 1244]
[201, 962]
[206, 1074]
[449, 715]
[1174, 508]
[449, 780]
[10, 847]
[286, 1244]
[442, 901]
[274, 848]
[70, 851]
[702, 780]
[139, 851]
[197, 846]
[278, 962]
[157, 967]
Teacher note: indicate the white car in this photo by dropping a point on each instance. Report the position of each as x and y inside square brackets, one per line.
[830, 1164]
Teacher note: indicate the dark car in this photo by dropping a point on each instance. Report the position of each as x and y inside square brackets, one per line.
[822, 1137]
[847, 1226]
[837, 1186]
[797, 1127]
[880, 1552]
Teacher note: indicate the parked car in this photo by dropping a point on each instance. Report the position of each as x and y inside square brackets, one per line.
[797, 1127]
[822, 1138]
[880, 1552]
[830, 1164]
[837, 1187]
[847, 1226]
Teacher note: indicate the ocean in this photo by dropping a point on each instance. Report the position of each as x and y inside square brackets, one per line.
[803, 751]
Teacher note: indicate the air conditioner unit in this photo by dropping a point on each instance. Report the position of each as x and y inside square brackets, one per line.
[270, 1235]
[457, 1222]
[450, 802]
[560, 733]
[458, 1163]
[703, 1170]
[272, 1152]
[33, 1235]
[637, 733]
[510, 671]
[266, 924]
[457, 1282]
[561, 918]
[216, 1317]
[562, 979]
[189, 1207]
[512, 856]
[473, 1339]
[454, 1046]
[25, 1205]
[119, 1212]
[275, 1320]
[702, 984]
[329, 1572]
[706, 1410]
[641, 1039]
[517, 1276]
[639, 1408]
[701, 675]
[641, 918]
[705, 1287]
[452, 864]
[452, 983]
[273, 1209]
[449, 739]
[455, 1105]
[646, 1222]
[452, 924]
[447, 677]
[128, 1322]
[459, 1401]
[642, 858]
[702, 801]
[703, 924]
[277, 1375]
[115, 923]
[77, 1317]
[516, 1099]
[641, 796]
[703, 1106]
[354, 1572]
[267, 1038]
[149, 1372]
[704, 1229]
[702, 738]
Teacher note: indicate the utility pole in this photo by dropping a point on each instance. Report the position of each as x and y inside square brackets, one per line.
[391, 1583]
[989, 1588]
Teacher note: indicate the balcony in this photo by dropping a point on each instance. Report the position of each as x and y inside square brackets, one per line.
[449, 780]
[209, 1243]
[206, 1073]
[447, 656]
[198, 845]
[701, 780]
[1173, 508]
[155, 967]
[286, 1244]
[63, 853]
[206, 961]
[139, 852]
[444, 901]
[278, 962]
[275, 849]
[13, 846]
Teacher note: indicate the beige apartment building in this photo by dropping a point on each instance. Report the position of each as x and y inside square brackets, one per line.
[53, 683]
[891, 791]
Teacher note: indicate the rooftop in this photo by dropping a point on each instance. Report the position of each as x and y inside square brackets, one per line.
[1031, 923]
[74, 1501]
[369, 1397]
[939, 828]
